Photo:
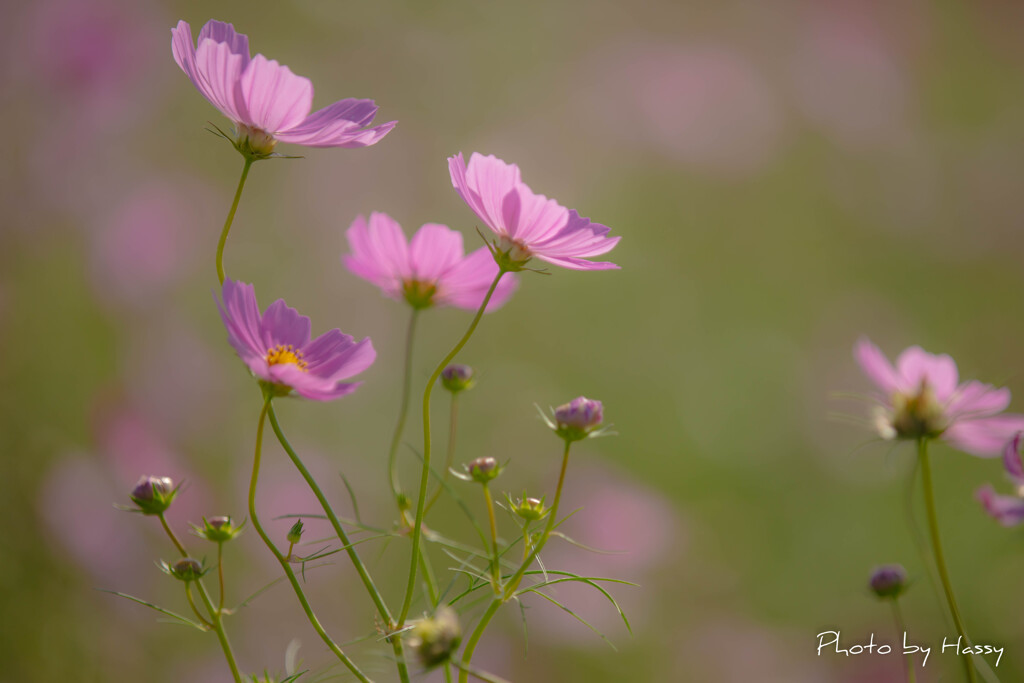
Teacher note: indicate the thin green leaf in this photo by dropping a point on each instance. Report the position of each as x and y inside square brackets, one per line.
[589, 582]
[576, 617]
[176, 617]
[587, 547]
[352, 495]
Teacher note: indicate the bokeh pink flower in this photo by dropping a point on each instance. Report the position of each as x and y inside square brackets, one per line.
[265, 99]
[277, 348]
[923, 398]
[1007, 510]
[528, 224]
[429, 270]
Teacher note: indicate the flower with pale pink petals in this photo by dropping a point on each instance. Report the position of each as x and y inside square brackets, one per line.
[429, 270]
[264, 99]
[923, 399]
[528, 225]
[279, 352]
[1007, 510]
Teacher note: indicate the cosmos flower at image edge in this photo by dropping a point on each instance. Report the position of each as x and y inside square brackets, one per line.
[527, 224]
[922, 397]
[265, 100]
[277, 348]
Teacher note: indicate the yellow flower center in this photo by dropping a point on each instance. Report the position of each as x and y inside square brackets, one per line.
[281, 354]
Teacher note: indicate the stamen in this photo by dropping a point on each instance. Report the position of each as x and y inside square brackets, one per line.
[281, 354]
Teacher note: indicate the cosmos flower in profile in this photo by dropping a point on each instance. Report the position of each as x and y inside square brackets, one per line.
[527, 225]
[429, 270]
[265, 100]
[276, 346]
[922, 398]
[1007, 510]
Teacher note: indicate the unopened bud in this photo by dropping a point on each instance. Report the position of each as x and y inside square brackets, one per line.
[529, 509]
[218, 529]
[434, 639]
[888, 581]
[295, 533]
[456, 378]
[187, 569]
[483, 469]
[153, 495]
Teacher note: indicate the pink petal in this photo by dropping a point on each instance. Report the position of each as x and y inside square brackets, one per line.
[241, 316]
[283, 325]
[1012, 459]
[1007, 510]
[272, 97]
[221, 69]
[379, 251]
[483, 185]
[341, 124]
[876, 366]
[433, 250]
[578, 237]
[976, 399]
[916, 365]
[184, 52]
[220, 32]
[985, 437]
[578, 263]
[531, 218]
[465, 285]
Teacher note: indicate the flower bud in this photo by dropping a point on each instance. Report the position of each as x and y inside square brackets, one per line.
[295, 533]
[578, 418]
[888, 581]
[529, 509]
[484, 469]
[187, 569]
[456, 378]
[153, 495]
[434, 639]
[218, 529]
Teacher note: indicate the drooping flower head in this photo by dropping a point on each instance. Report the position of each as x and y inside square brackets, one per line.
[528, 225]
[1007, 510]
[923, 399]
[276, 346]
[430, 270]
[264, 99]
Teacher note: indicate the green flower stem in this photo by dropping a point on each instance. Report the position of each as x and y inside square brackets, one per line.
[396, 485]
[220, 574]
[364, 575]
[215, 620]
[474, 638]
[940, 562]
[231, 219]
[495, 558]
[192, 604]
[513, 583]
[901, 628]
[417, 531]
[449, 458]
[342, 657]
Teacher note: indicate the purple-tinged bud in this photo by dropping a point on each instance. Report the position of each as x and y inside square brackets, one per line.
[529, 509]
[483, 469]
[578, 418]
[434, 639]
[456, 378]
[888, 581]
[187, 569]
[295, 533]
[153, 495]
[218, 529]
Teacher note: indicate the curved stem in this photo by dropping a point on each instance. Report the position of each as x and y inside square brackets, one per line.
[901, 629]
[449, 458]
[231, 219]
[940, 562]
[342, 657]
[513, 583]
[192, 604]
[425, 476]
[215, 621]
[467, 653]
[396, 438]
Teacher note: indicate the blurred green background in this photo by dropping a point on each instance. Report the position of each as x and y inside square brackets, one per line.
[786, 176]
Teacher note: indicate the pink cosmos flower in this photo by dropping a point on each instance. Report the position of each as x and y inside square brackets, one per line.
[923, 399]
[427, 271]
[278, 350]
[527, 224]
[1007, 510]
[266, 101]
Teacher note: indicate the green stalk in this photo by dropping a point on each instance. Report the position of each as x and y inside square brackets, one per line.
[364, 575]
[449, 458]
[215, 615]
[342, 657]
[901, 628]
[940, 562]
[425, 476]
[474, 638]
[396, 485]
[495, 558]
[230, 219]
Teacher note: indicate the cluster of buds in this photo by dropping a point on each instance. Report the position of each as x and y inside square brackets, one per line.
[435, 638]
[888, 581]
[456, 378]
[218, 529]
[153, 495]
[578, 419]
